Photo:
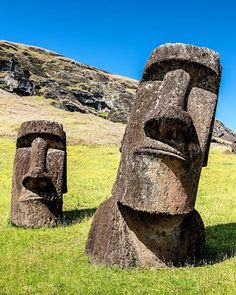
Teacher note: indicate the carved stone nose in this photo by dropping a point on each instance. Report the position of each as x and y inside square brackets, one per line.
[175, 87]
[170, 122]
[37, 179]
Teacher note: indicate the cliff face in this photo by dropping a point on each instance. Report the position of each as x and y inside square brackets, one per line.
[73, 86]
[28, 70]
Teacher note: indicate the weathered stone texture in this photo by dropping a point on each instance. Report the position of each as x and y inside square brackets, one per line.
[150, 219]
[39, 175]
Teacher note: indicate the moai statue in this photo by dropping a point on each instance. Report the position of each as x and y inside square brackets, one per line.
[150, 219]
[39, 176]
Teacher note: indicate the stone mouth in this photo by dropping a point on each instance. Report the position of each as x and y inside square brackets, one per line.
[41, 196]
[161, 151]
[32, 197]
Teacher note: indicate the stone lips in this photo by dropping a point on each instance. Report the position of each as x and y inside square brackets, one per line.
[150, 219]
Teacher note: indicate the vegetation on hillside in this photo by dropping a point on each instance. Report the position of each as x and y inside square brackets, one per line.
[29, 70]
[52, 261]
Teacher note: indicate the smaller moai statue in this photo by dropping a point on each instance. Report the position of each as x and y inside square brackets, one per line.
[39, 175]
[150, 220]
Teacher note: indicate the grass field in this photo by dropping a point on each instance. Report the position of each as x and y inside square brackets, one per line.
[52, 261]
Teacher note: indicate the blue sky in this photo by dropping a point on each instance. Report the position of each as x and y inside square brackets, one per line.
[118, 36]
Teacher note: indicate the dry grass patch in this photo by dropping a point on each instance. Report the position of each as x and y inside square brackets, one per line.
[80, 128]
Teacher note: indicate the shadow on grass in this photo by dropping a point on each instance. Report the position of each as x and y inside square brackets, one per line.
[75, 216]
[220, 239]
[220, 243]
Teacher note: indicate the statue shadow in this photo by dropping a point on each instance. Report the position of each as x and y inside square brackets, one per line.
[220, 243]
[76, 216]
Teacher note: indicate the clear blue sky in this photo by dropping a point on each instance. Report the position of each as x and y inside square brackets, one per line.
[118, 36]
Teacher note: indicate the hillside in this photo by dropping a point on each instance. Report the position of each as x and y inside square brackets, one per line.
[29, 72]
[52, 260]
[80, 128]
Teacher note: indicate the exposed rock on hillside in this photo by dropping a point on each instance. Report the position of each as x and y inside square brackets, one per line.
[74, 87]
[28, 70]
[223, 134]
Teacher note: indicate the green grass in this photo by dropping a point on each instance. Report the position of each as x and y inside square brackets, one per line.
[52, 261]
[103, 114]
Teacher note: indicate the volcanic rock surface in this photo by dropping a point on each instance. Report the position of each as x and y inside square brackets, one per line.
[28, 70]
[73, 86]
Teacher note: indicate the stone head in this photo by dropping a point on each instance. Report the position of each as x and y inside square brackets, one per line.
[167, 139]
[39, 176]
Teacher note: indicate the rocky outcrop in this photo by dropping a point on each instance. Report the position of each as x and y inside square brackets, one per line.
[223, 133]
[73, 86]
[28, 70]
[16, 78]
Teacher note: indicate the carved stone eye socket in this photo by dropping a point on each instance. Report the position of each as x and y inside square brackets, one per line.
[53, 141]
[201, 76]
[170, 131]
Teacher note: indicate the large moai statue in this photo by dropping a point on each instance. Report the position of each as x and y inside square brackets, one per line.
[150, 219]
[39, 176]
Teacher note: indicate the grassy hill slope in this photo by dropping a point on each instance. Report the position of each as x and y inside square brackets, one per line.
[52, 261]
[80, 128]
